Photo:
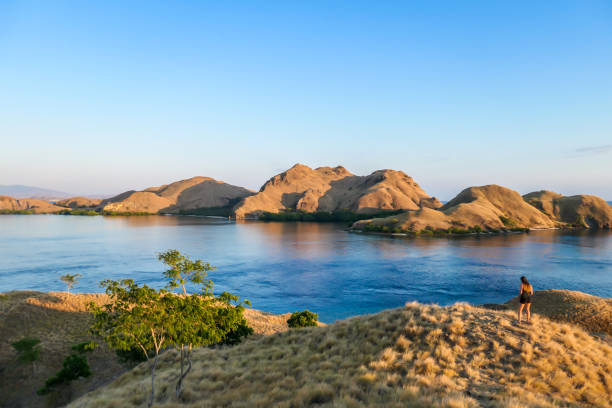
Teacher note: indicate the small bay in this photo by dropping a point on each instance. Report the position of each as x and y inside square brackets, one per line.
[284, 267]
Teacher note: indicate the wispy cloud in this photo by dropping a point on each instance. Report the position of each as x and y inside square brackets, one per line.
[590, 151]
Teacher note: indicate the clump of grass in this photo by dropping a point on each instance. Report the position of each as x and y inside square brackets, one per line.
[417, 355]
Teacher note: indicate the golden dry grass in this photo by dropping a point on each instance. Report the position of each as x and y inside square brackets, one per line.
[60, 320]
[417, 355]
[592, 313]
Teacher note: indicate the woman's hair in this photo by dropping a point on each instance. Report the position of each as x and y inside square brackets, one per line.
[526, 284]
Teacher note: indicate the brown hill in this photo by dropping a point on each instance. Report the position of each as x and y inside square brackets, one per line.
[79, 202]
[193, 194]
[414, 356]
[329, 189]
[27, 204]
[580, 210]
[489, 207]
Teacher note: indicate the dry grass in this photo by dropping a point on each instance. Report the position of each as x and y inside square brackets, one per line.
[592, 313]
[420, 356]
[60, 320]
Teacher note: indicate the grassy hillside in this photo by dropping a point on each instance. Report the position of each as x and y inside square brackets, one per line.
[592, 313]
[417, 355]
[60, 320]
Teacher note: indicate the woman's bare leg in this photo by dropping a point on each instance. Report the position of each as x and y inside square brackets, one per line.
[528, 312]
[520, 312]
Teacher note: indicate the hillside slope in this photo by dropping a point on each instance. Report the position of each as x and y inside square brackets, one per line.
[489, 207]
[27, 204]
[79, 202]
[329, 189]
[60, 320]
[417, 355]
[192, 194]
[582, 210]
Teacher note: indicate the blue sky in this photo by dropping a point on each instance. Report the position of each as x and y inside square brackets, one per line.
[101, 97]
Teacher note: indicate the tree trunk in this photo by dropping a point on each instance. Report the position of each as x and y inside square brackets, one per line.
[153, 379]
[179, 384]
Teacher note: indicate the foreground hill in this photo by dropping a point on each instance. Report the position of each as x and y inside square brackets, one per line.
[490, 207]
[191, 195]
[329, 189]
[417, 355]
[60, 320]
[10, 204]
[581, 210]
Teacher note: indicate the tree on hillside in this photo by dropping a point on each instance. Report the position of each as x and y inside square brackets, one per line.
[70, 280]
[136, 316]
[183, 270]
[139, 316]
[28, 350]
[201, 319]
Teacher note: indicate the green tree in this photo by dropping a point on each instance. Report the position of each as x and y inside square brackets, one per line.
[200, 319]
[70, 280]
[183, 270]
[28, 350]
[302, 319]
[136, 316]
[149, 319]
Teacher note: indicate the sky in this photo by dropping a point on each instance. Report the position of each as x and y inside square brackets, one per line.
[102, 97]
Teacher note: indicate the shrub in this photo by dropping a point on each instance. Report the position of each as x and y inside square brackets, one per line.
[508, 222]
[303, 319]
[235, 336]
[324, 216]
[74, 366]
[27, 349]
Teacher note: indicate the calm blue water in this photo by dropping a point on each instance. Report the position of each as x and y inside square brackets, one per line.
[283, 267]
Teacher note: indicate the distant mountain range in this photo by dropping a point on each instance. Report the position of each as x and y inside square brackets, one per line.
[20, 191]
[40, 193]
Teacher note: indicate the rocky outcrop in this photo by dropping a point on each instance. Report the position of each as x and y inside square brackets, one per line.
[79, 202]
[586, 211]
[490, 207]
[329, 189]
[27, 204]
[182, 196]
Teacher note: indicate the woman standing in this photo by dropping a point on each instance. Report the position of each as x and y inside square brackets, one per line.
[525, 298]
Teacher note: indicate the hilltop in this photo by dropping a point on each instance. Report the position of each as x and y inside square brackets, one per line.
[329, 189]
[417, 355]
[581, 210]
[495, 208]
[79, 202]
[190, 195]
[27, 205]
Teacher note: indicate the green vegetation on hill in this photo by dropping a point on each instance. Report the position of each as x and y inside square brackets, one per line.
[16, 212]
[225, 211]
[323, 216]
[152, 320]
[475, 230]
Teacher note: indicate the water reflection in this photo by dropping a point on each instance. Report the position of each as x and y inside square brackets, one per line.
[284, 267]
